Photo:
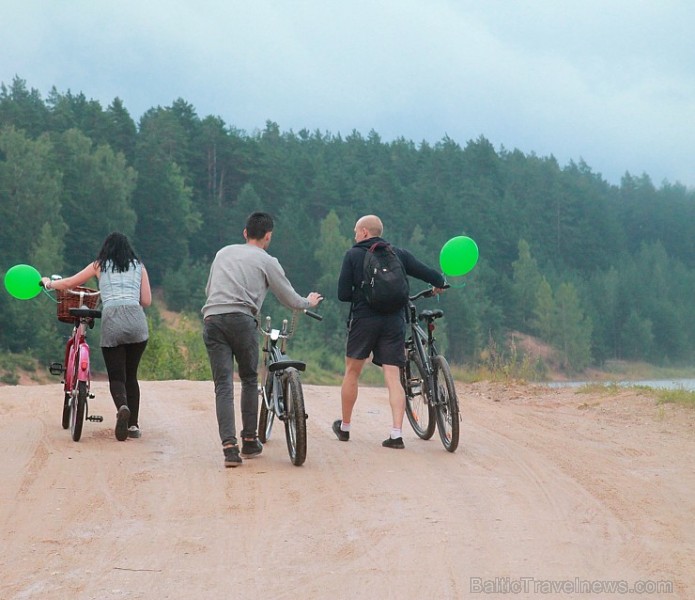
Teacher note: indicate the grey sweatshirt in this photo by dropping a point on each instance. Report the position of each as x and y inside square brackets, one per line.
[239, 279]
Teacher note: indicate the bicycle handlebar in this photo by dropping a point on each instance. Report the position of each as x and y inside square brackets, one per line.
[427, 292]
[81, 292]
[288, 327]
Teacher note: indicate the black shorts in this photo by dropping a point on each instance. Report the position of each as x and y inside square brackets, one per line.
[382, 336]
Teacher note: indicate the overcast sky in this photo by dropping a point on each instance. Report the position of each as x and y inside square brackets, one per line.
[610, 82]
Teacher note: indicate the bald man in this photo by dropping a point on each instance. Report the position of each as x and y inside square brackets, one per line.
[375, 333]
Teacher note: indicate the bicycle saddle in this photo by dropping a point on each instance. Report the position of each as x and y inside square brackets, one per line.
[430, 314]
[287, 364]
[79, 313]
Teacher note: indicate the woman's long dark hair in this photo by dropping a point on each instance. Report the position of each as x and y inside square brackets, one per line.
[117, 250]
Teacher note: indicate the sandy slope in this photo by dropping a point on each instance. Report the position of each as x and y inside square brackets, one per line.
[547, 486]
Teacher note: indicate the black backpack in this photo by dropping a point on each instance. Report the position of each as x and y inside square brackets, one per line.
[384, 280]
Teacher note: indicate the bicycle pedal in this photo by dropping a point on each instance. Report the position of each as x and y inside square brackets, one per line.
[96, 418]
[56, 368]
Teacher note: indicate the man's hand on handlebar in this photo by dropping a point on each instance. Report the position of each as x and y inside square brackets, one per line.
[314, 298]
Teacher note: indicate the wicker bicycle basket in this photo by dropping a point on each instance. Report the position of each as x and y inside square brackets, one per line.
[66, 301]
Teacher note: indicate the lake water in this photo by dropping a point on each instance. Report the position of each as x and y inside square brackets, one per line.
[666, 384]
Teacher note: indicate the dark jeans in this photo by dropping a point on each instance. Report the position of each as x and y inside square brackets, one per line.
[122, 366]
[228, 337]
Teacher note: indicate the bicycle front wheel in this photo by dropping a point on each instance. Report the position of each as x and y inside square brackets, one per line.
[66, 411]
[295, 423]
[446, 404]
[419, 411]
[77, 410]
[266, 416]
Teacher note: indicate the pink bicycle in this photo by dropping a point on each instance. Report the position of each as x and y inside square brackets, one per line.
[76, 306]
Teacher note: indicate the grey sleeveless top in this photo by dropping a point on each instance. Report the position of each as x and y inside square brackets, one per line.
[123, 320]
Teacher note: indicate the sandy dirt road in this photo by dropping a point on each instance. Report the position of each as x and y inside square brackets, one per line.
[552, 494]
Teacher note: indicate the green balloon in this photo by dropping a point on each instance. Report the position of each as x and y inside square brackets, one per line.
[22, 282]
[458, 256]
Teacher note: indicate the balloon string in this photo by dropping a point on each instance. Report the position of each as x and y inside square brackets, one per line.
[45, 291]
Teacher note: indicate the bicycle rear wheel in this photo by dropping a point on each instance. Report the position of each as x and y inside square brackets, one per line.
[266, 416]
[77, 410]
[295, 423]
[446, 404]
[419, 411]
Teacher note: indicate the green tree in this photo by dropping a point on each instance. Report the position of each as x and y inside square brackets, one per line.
[544, 313]
[572, 333]
[29, 194]
[184, 287]
[637, 337]
[23, 108]
[96, 196]
[526, 281]
[75, 111]
[47, 253]
[605, 306]
[121, 132]
[329, 254]
[166, 217]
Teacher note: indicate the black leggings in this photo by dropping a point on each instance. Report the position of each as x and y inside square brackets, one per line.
[122, 366]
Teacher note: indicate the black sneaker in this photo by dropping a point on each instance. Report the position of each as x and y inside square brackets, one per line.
[231, 456]
[393, 443]
[122, 418]
[343, 436]
[251, 448]
[134, 432]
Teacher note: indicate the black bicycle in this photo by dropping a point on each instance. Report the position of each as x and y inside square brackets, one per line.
[281, 393]
[430, 394]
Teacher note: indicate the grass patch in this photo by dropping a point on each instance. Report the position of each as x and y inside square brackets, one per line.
[640, 370]
[12, 365]
[175, 353]
[609, 389]
[509, 362]
[677, 396]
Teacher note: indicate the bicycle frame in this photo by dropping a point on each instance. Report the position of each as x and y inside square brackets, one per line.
[421, 342]
[77, 361]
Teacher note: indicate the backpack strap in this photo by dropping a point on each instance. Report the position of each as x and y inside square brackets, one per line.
[358, 291]
[377, 245]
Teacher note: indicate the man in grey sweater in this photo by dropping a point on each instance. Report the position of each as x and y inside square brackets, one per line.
[239, 280]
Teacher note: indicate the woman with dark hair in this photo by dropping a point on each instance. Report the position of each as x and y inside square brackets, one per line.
[125, 290]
